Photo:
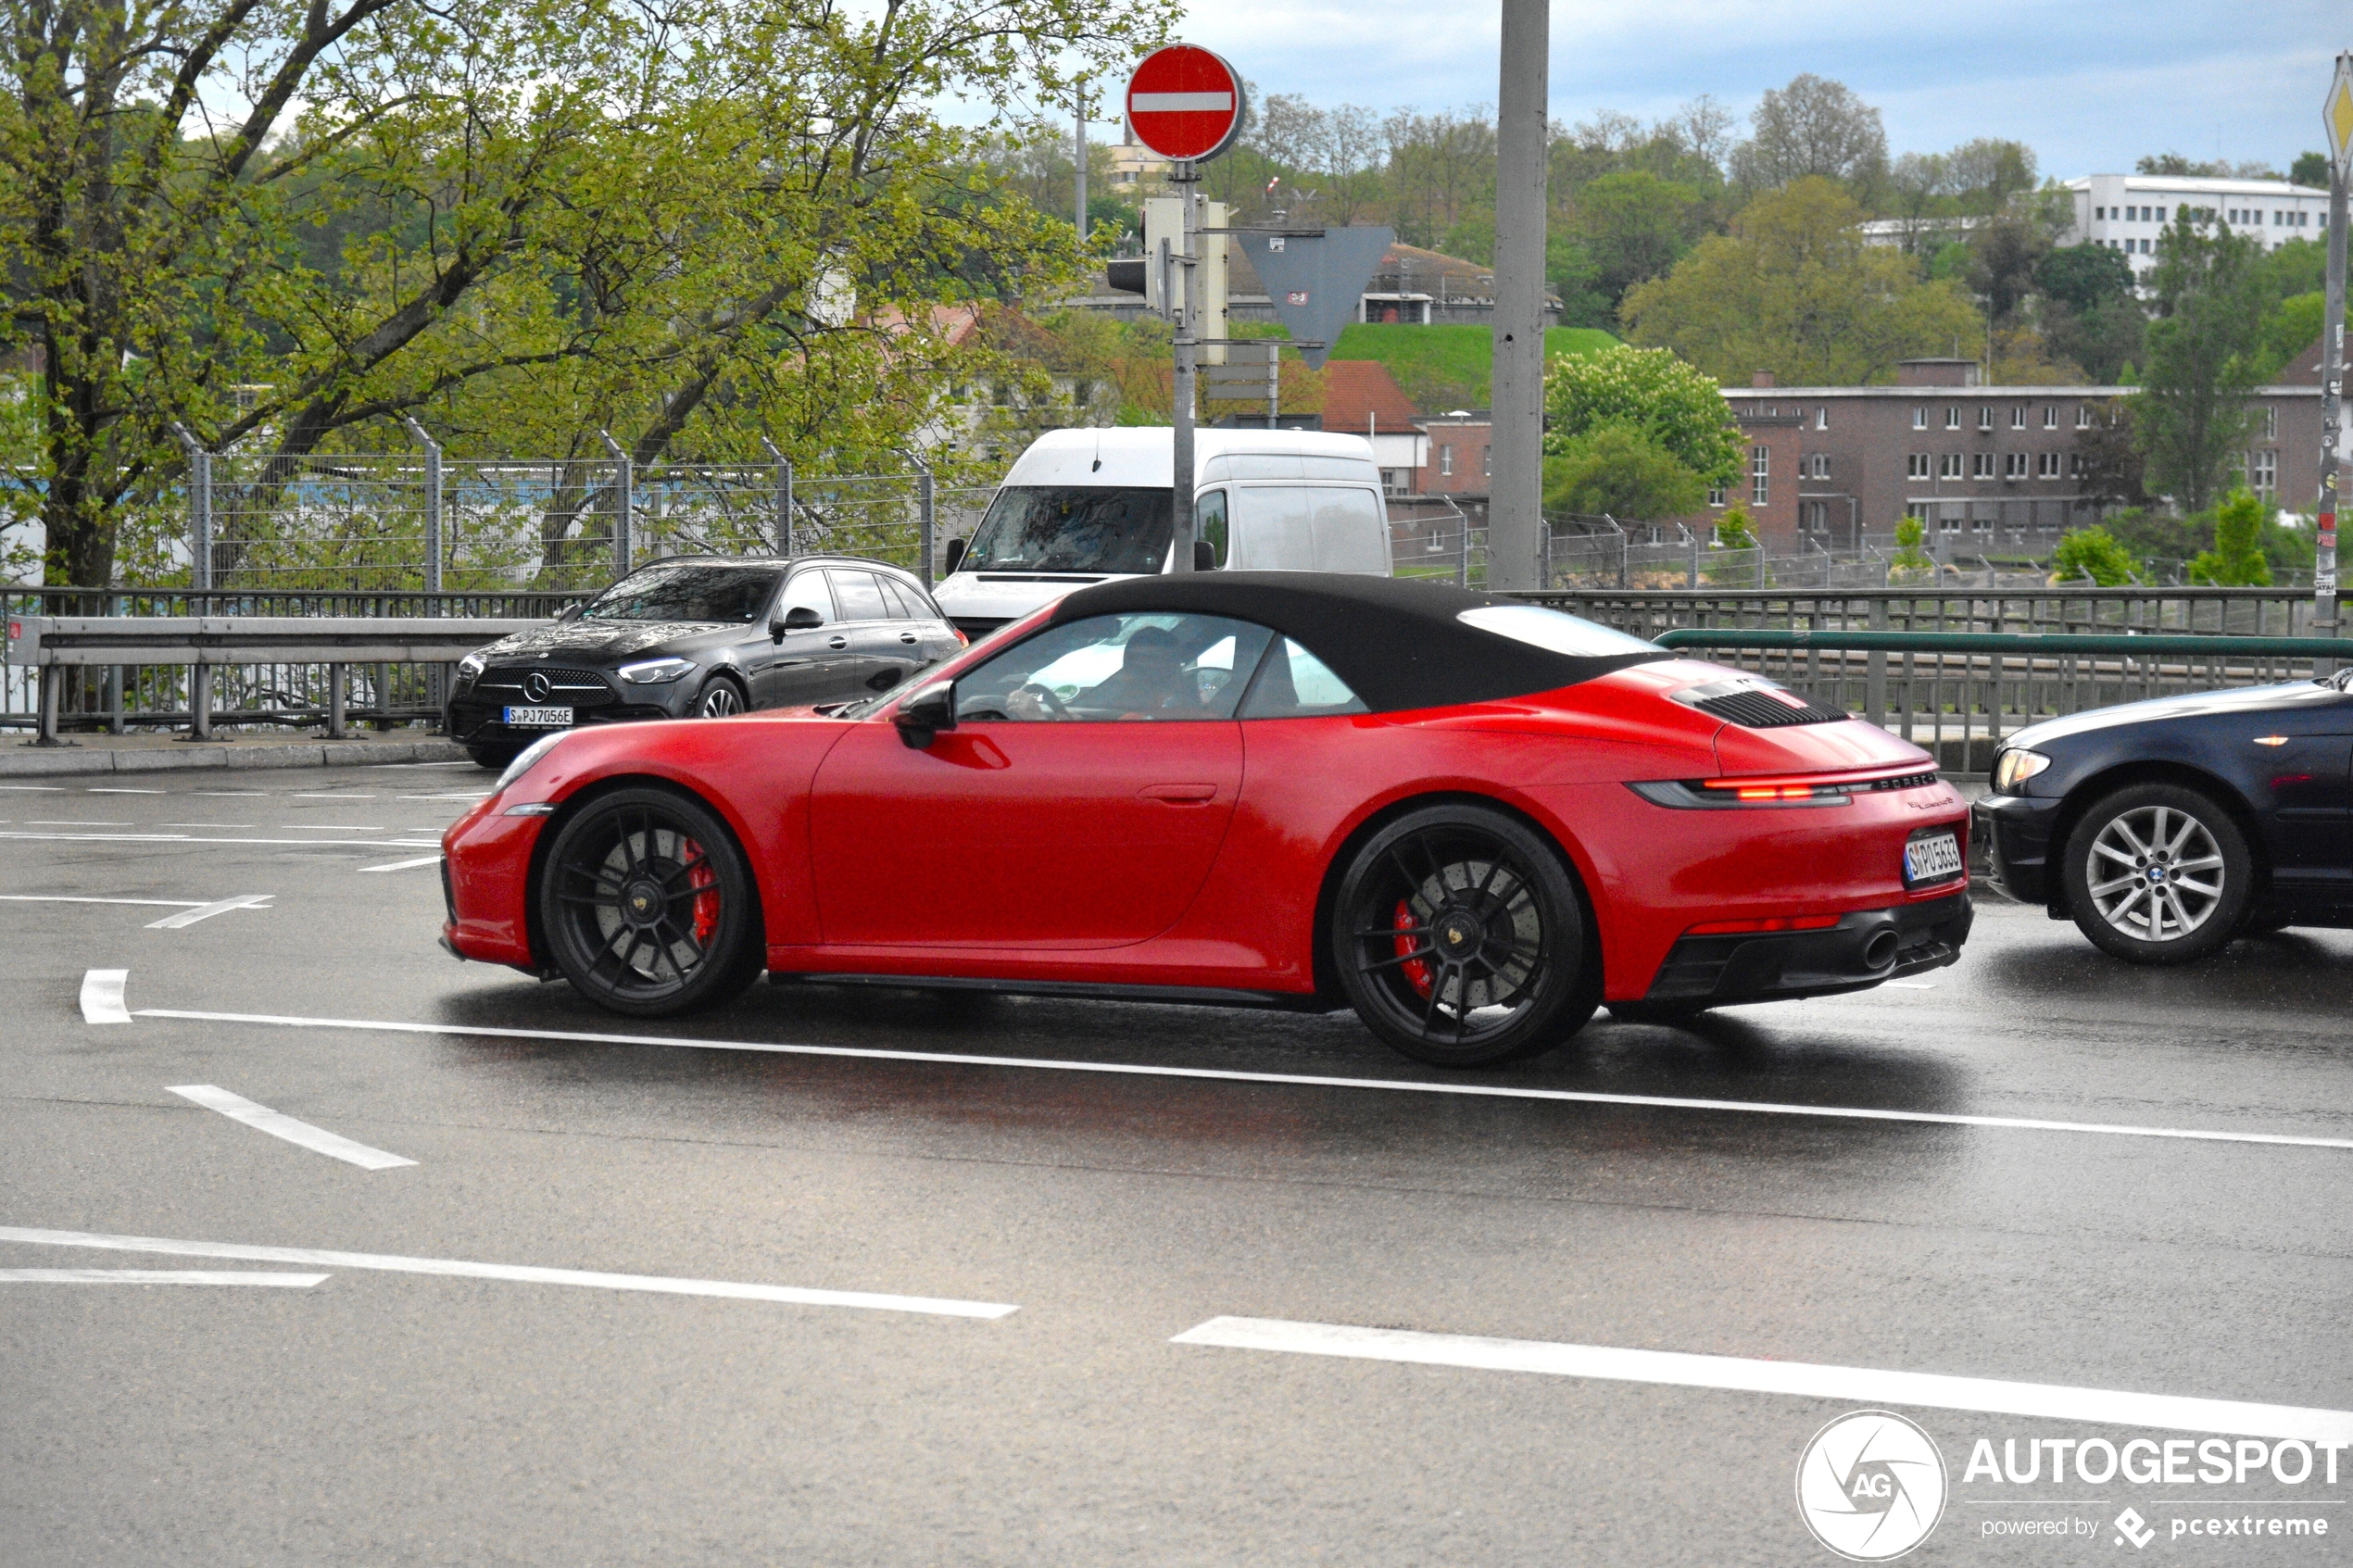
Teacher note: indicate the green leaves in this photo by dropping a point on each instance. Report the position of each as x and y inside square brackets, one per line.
[1678, 410]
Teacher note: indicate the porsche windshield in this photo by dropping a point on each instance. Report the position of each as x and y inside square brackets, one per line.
[1057, 528]
[689, 591]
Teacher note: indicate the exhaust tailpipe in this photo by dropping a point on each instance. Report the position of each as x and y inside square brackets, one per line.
[1879, 953]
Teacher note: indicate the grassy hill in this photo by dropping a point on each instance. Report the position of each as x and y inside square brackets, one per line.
[1441, 367]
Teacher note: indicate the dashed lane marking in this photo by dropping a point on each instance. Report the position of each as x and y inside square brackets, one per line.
[194, 838]
[34, 789]
[205, 912]
[1846, 1385]
[66, 898]
[523, 1274]
[101, 995]
[406, 865]
[278, 1124]
[343, 796]
[105, 789]
[158, 1276]
[1227, 1075]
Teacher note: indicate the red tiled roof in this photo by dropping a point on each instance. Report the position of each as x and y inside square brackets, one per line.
[1362, 392]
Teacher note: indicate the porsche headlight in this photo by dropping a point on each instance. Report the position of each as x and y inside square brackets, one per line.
[526, 759]
[655, 672]
[2014, 767]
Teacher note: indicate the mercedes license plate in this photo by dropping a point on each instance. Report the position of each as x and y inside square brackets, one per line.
[1934, 857]
[538, 717]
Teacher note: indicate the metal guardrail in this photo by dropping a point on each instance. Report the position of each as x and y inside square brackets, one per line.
[1958, 694]
[55, 644]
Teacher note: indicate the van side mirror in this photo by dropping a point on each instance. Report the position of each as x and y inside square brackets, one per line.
[1204, 556]
[800, 618]
[955, 554]
[924, 713]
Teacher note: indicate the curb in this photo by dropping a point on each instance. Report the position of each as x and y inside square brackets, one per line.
[25, 762]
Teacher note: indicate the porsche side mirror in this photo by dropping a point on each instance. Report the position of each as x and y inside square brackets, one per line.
[800, 618]
[955, 556]
[1204, 556]
[925, 712]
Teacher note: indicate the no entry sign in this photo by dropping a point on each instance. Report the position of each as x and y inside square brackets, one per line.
[1183, 101]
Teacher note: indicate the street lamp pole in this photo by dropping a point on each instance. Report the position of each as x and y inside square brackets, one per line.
[1515, 518]
[2336, 114]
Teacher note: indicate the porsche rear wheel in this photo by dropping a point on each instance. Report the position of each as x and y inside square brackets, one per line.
[649, 907]
[1458, 938]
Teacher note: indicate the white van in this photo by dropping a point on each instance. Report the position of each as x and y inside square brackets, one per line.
[1086, 506]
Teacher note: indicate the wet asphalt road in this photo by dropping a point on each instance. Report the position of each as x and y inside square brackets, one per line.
[384, 1416]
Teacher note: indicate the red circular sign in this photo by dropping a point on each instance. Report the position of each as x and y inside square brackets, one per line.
[1183, 101]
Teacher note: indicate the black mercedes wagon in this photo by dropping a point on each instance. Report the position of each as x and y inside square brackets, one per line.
[698, 636]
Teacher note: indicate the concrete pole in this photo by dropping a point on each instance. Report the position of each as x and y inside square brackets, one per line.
[1186, 178]
[1515, 487]
[2332, 403]
[1078, 148]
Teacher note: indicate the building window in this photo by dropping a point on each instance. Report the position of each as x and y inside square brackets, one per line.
[1818, 466]
[2017, 416]
[2050, 416]
[2075, 465]
[1760, 462]
[2271, 422]
[1952, 418]
[2099, 212]
[1916, 510]
[1915, 466]
[1948, 465]
[2014, 465]
[2266, 473]
[2083, 416]
[1981, 465]
[2049, 464]
[1949, 523]
[1716, 495]
[1986, 415]
[1919, 417]
[1821, 419]
[1446, 461]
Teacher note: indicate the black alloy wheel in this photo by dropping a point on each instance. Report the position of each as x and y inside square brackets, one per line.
[2158, 874]
[721, 698]
[648, 905]
[1459, 939]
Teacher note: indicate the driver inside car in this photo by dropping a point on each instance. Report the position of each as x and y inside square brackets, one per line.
[1152, 682]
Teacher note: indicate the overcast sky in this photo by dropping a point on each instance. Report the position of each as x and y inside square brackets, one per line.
[2091, 85]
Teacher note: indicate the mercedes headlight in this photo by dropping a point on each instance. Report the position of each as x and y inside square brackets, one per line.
[526, 759]
[655, 672]
[2014, 767]
[470, 666]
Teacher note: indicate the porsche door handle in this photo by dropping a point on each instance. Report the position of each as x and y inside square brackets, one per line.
[1180, 794]
[838, 643]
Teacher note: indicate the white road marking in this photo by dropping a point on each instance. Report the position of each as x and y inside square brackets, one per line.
[220, 827]
[62, 899]
[34, 789]
[102, 789]
[71, 823]
[335, 827]
[101, 995]
[1846, 1385]
[406, 865]
[192, 838]
[1909, 984]
[205, 912]
[462, 794]
[520, 1272]
[342, 796]
[231, 794]
[278, 1124]
[157, 1277]
[1398, 1086]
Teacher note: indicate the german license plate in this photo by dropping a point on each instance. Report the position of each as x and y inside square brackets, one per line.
[538, 717]
[1934, 857]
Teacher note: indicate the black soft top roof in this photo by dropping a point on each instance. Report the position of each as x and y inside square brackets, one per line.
[1397, 642]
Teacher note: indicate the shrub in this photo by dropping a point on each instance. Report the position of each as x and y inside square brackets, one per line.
[2095, 550]
[1622, 470]
[2236, 560]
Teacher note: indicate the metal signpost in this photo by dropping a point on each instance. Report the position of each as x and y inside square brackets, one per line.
[2336, 114]
[1185, 103]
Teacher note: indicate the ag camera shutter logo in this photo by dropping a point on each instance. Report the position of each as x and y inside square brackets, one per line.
[1870, 1485]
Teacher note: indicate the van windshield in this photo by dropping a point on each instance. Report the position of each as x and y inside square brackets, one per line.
[1072, 528]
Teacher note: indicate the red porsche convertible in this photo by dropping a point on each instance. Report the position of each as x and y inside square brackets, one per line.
[1471, 819]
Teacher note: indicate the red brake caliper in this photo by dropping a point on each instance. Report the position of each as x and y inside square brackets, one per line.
[706, 903]
[1417, 970]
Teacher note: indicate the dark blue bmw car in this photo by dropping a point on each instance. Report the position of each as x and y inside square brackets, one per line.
[2166, 828]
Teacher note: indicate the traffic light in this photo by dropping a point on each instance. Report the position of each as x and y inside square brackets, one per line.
[1163, 219]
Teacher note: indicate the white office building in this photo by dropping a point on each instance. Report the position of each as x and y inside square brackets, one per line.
[2127, 212]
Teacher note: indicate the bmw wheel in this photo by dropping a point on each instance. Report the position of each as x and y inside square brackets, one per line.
[648, 905]
[721, 698]
[2158, 875]
[1459, 939]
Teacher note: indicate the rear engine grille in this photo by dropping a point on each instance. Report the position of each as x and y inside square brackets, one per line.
[1763, 709]
[566, 688]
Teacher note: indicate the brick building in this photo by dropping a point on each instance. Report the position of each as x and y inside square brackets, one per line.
[1362, 398]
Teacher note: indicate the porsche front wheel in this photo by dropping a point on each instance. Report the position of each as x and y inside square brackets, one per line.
[1458, 938]
[649, 907]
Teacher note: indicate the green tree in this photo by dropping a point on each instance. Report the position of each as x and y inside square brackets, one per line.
[1813, 129]
[2311, 171]
[1623, 470]
[1636, 226]
[1734, 530]
[2236, 560]
[2084, 278]
[1676, 407]
[2192, 415]
[1911, 538]
[2093, 550]
[1793, 289]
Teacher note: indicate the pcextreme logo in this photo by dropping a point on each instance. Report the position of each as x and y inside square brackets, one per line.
[1870, 1485]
